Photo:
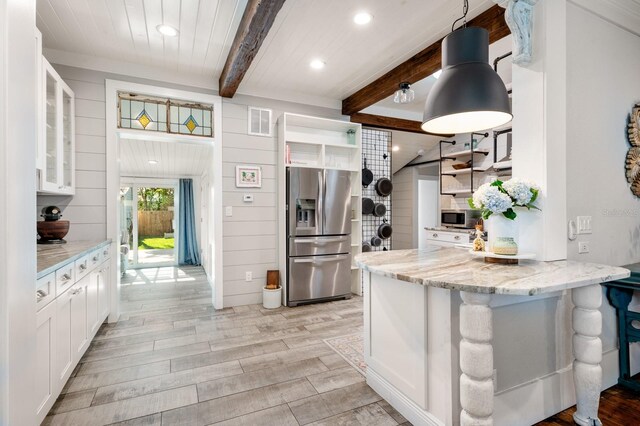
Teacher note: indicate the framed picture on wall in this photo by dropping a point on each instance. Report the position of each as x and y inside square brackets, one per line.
[248, 177]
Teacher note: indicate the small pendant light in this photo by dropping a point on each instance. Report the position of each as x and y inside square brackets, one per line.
[404, 94]
[469, 95]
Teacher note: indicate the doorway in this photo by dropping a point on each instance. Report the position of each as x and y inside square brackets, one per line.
[149, 223]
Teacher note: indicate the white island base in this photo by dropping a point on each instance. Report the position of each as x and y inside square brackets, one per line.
[442, 355]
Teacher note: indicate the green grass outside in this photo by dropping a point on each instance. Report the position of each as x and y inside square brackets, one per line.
[155, 243]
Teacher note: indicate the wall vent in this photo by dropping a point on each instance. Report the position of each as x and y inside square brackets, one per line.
[259, 121]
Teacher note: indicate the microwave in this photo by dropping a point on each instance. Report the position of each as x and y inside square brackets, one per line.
[459, 218]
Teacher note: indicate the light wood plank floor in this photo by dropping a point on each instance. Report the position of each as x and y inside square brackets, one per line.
[174, 360]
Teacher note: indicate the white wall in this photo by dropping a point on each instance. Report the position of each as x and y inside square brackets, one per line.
[404, 208]
[597, 145]
[597, 137]
[17, 201]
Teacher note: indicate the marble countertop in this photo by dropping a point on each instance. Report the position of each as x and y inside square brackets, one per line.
[52, 256]
[445, 229]
[456, 269]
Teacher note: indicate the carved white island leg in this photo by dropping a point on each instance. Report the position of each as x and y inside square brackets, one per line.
[587, 350]
[476, 360]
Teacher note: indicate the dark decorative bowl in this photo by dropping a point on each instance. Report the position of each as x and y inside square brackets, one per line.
[53, 230]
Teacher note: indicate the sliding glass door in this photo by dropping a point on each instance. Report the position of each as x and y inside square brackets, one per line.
[149, 223]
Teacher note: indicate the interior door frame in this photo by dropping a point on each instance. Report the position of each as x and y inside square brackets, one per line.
[113, 136]
[136, 183]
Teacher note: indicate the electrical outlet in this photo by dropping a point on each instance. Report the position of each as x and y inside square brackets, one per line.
[584, 224]
[583, 247]
[248, 276]
[228, 211]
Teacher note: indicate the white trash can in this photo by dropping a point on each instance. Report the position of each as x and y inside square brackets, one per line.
[271, 299]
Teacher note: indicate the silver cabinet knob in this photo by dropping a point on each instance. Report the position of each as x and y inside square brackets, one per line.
[435, 235]
[83, 266]
[66, 277]
[457, 237]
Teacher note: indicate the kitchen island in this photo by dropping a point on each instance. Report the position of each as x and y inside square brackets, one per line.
[437, 319]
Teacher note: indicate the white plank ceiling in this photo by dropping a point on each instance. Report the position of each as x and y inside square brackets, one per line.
[116, 34]
[120, 36]
[174, 160]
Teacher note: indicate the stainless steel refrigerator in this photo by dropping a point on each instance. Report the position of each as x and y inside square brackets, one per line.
[318, 235]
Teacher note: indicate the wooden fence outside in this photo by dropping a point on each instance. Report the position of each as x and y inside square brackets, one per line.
[154, 223]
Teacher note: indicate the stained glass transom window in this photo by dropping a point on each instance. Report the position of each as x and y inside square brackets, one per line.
[164, 115]
[190, 119]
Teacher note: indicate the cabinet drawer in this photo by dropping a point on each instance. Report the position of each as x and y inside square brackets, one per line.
[83, 266]
[449, 237]
[106, 251]
[45, 290]
[64, 278]
[95, 258]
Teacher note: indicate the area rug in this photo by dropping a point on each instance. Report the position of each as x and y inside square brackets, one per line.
[351, 348]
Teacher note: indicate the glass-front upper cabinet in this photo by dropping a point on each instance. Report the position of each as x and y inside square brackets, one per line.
[57, 174]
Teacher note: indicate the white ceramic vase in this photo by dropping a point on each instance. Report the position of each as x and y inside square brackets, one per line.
[498, 226]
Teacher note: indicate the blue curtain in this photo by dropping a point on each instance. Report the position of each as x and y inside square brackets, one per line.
[188, 253]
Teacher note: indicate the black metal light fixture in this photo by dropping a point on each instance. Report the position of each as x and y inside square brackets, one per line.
[469, 95]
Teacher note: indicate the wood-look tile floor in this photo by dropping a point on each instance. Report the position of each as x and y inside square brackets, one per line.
[172, 359]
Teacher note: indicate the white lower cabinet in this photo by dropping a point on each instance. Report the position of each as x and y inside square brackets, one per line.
[79, 335]
[65, 328]
[64, 348]
[93, 319]
[103, 289]
[46, 377]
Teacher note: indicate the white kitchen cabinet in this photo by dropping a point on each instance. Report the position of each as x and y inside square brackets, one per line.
[57, 142]
[79, 324]
[64, 350]
[72, 302]
[46, 378]
[103, 290]
[92, 294]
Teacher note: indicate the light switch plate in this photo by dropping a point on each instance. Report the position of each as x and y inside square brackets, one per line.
[584, 224]
[248, 276]
[247, 198]
[228, 211]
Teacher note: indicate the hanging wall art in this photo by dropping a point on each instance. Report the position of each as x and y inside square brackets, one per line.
[633, 155]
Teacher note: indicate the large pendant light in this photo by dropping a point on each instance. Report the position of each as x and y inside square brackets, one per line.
[469, 95]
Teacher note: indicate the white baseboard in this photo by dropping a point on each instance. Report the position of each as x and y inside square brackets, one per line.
[409, 409]
[242, 299]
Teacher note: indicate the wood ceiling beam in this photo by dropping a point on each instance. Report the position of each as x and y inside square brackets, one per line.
[256, 22]
[390, 123]
[420, 65]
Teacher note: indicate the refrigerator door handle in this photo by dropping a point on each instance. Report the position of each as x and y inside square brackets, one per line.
[320, 206]
[323, 240]
[322, 259]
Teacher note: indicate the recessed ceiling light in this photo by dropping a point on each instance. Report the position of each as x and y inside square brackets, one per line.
[362, 18]
[317, 64]
[154, 162]
[436, 74]
[395, 148]
[167, 30]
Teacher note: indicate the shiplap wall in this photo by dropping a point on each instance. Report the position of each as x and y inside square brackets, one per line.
[405, 191]
[249, 235]
[250, 240]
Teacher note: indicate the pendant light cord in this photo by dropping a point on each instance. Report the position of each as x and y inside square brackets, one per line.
[465, 10]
